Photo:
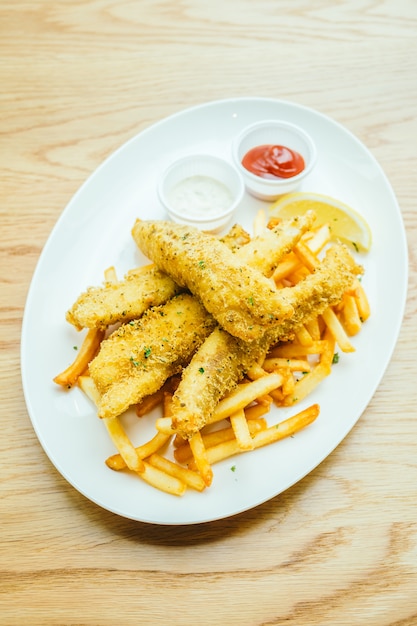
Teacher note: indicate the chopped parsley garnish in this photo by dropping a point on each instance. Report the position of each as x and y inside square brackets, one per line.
[335, 358]
[201, 265]
[134, 362]
[147, 352]
[201, 370]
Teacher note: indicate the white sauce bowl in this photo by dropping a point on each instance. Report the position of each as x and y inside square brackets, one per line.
[275, 132]
[201, 190]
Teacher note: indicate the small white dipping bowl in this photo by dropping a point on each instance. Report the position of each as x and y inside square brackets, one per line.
[201, 190]
[273, 132]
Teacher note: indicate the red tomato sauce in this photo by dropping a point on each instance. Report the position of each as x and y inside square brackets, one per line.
[270, 161]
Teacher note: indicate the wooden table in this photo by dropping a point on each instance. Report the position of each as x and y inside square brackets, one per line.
[77, 80]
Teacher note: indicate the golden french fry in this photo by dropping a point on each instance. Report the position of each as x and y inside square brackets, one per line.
[183, 453]
[337, 330]
[316, 240]
[241, 430]
[162, 481]
[303, 336]
[265, 437]
[350, 317]
[306, 256]
[362, 301]
[86, 353]
[114, 427]
[256, 371]
[239, 398]
[187, 476]
[123, 444]
[295, 365]
[313, 328]
[200, 457]
[244, 394]
[116, 461]
[286, 267]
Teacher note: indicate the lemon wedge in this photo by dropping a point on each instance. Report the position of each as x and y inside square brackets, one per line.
[345, 223]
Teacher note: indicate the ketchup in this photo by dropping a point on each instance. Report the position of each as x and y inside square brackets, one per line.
[270, 161]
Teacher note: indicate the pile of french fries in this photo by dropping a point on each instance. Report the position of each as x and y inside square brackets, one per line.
[289, 374]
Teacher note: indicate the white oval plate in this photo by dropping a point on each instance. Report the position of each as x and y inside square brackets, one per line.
[93, 233]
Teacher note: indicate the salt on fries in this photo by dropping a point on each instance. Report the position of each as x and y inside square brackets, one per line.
[291, 371]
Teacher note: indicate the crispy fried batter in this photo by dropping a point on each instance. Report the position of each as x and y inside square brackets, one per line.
[222, 359]
[243, 301]
[137, 358]
[122, 301]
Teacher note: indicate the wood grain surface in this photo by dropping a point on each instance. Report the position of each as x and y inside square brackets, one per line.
[77, 79]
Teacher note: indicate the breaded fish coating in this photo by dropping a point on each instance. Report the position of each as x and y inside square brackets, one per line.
[222, 360]
[138, 358]
[244, 302]
[100, 307]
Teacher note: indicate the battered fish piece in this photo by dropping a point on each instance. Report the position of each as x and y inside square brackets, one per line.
[122, 301]
[137, 359]
[100, 307]
[222, 360]
[124, 379]
[244, 302]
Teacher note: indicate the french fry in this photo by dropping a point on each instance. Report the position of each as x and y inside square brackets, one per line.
[306, 256]
[200, 457]
[265, 437]
[86, 353]
[185, 475]
[183, 454]
[337, 330]
[114, 428]
[318, 239]
[243, 395]
[123, 444]
[295, 365]
[361, 300]
[350, 317]
[306, 385]
[303, 336]
[313, 328]
[241, 430]
[162, 481]
[116, 461]
[286, 267]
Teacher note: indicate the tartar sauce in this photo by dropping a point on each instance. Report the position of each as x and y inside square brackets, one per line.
[200, 196]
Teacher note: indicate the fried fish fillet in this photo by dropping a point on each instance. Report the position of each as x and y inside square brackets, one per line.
[244, 302]
[125, 300]
[138, 358]
[123, 378]
[222, 360]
